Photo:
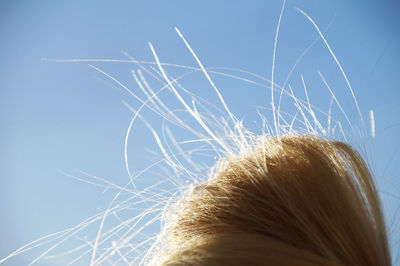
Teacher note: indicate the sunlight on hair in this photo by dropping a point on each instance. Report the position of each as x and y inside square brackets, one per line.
[295, 192]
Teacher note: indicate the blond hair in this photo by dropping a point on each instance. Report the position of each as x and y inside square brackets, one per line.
[295, 200]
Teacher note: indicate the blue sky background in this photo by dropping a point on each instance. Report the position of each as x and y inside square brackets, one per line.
[68, 116]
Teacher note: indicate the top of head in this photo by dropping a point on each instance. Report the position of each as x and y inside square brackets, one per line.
[295, 200]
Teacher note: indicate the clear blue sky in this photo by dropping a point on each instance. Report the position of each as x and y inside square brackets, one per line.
[69, 116]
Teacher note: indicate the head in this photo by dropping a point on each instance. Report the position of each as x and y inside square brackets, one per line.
[294, 200]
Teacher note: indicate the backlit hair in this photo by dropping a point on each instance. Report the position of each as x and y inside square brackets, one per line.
[295, 200]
